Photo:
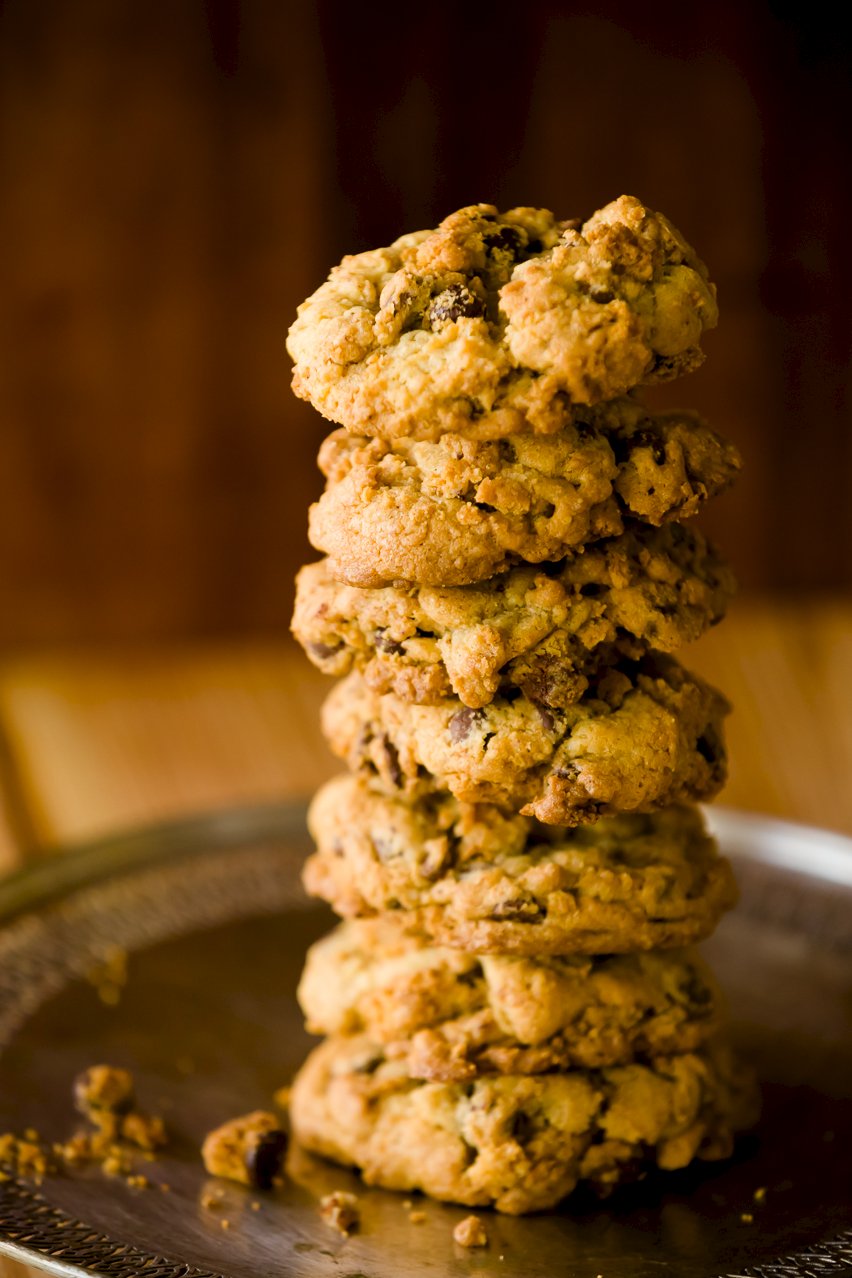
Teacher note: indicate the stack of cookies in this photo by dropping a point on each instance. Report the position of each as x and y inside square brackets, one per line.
[510, 1003]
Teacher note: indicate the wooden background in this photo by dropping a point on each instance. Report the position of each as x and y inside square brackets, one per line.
[175, 176]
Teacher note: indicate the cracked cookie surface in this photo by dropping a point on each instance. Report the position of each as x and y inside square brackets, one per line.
[517, 1142]
[450, 1015]
[472, 877]
[543, 630]
[454, 511]
[646, 734]
[511, 317]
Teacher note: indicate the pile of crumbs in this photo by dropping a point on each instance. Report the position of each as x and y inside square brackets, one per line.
[119, 1133]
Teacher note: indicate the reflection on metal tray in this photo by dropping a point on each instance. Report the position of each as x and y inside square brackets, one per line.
[217, 925]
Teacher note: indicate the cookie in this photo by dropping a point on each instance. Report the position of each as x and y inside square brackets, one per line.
[451, 1016]
[472, 877]
[515, 315]
[455, 511]
[520, 1143]
[647, 733]
[542, 630]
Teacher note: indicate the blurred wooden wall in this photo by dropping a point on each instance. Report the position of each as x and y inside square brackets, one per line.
[175, 176]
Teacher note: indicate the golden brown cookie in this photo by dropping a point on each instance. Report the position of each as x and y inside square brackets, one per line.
[644, 735]
[472, 877]
[451, 1016]
[516, 1142]
[543, 630]
[514, 315]
[454, 511]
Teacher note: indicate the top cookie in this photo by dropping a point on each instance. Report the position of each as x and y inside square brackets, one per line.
[499, 322]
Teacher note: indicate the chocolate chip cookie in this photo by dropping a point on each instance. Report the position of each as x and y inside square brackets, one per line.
[473, 877]
[645, 734]
[454, 511]
[516, 315]
[543, 630]
[517, 1142]
[451, 1016]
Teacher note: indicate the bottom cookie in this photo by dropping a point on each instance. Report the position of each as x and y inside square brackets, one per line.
[518, 1143]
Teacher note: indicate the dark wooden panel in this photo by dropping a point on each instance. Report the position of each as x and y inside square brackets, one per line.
[176, 177]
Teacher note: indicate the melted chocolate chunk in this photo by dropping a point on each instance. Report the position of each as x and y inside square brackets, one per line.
[508, 240]
[265, 1158]
[384, 644]
[463, 722]
[322, 651]
[454, 303]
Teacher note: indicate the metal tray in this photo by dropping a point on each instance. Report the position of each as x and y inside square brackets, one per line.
[216, 925]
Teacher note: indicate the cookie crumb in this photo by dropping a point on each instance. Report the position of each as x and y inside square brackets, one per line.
[760, 1194]
[417, 1217]
[747, 1218]
[211, 1202]
[144, 1130]
[102, 1092]
[408, 1204]
[255, 1206]
[470, 1232]
[23, 1156]
[281, 1097]
[340, 1210]
[249, 1149]
[225, 1223]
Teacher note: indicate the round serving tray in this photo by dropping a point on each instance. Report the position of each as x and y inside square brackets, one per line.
[216, 925]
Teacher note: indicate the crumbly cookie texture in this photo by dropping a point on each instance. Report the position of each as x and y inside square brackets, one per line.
[646, 734]
[543, 630]
[514, 315]
[451, 1016]
[473, 877]
[518, 1142]
[455, 510]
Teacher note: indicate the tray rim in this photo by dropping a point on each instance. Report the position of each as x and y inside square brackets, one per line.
[72, 867]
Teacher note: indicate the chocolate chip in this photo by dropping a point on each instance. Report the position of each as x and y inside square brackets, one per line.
[696, 992]
[463, 722]
[507, 240]
[602, 295]
[535, 246]
[392, 761]
[367, 1063]
[522, 1127]
[265, 1157]
[592, 589]
[454, 303]
[389, 646]
[647, 439]
[322, 651]
[707, 749]
[546, 717]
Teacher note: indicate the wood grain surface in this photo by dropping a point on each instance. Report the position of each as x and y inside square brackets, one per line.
[177, 177]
